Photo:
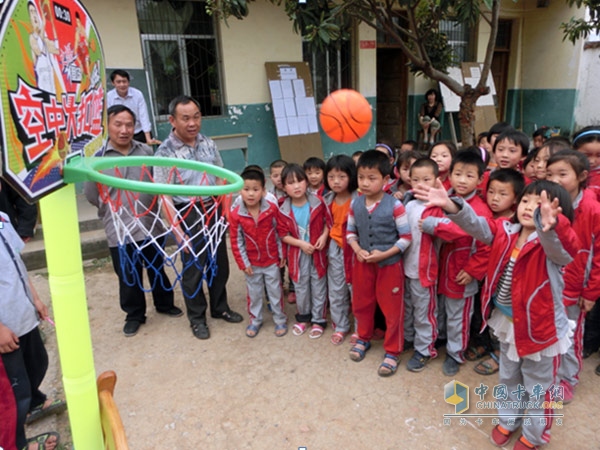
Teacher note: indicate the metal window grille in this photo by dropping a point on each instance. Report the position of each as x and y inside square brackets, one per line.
[459, 38]
[181, 54]
[330, 69]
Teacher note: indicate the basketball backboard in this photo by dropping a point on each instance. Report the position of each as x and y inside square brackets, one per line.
[52, 92]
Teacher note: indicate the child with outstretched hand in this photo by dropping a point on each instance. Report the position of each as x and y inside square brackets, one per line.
[525, 283]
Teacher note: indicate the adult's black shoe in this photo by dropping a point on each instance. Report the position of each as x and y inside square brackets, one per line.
[230, 316]
[131, 328]
[173, 312]
[200, 330]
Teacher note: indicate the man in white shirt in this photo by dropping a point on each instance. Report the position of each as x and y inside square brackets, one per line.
[123, 94]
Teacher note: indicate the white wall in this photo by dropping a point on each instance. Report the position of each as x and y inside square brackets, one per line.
[265, 35]
[117, 24]
[587, 111]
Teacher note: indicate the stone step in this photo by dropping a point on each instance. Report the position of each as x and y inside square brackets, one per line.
[92, 238]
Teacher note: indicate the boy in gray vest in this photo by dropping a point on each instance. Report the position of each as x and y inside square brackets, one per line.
[378, 233]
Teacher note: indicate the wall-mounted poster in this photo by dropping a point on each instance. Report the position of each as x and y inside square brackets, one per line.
[52, 91]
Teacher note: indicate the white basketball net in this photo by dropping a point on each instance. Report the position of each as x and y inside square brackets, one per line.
[166, 238]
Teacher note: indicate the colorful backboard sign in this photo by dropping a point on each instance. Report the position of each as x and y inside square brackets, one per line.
[52, 86]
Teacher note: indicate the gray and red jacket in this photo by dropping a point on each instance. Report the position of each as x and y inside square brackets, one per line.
[254, 242]
[286, 225]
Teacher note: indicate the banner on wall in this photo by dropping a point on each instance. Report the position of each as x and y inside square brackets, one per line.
[52, 86]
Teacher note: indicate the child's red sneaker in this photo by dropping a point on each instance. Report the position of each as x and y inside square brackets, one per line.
[523, 444]
[568, 392]
[500, 436]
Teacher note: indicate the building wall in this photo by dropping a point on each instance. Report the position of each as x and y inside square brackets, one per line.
[265, 35]
[543, 79]
[587, 111]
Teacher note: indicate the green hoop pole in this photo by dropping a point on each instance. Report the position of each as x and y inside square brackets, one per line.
[88, 169]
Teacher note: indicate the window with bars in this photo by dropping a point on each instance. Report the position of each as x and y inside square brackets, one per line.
[181, 54]
[460, 39]
[330, 69]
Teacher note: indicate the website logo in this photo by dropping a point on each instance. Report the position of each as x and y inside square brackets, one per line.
[457, 394]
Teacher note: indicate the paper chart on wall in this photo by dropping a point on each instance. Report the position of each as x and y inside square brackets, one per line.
[295, 112]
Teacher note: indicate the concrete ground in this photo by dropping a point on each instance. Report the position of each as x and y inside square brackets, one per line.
[231, 392]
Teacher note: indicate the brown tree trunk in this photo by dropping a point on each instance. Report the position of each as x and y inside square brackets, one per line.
[466, 116]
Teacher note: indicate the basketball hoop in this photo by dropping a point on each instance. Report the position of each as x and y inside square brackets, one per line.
[145, 217]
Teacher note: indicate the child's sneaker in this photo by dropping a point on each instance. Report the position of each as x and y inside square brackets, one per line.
[450, 366]
[568, 392]
[417, 362]
[523, 444]
[500, 436]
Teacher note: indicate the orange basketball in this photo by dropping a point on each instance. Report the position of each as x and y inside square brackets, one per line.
[345, 116]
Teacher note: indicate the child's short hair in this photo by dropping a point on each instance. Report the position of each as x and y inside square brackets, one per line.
[414, 144]
[254, 173]
[481, 136]
[374, 159]
[530, 157]
[577, 160]
[515, 137]
[586, 135]
[345, 164]
[424, 161]
[357, 153]
[468, 157]
[292, 172]
[510, 176]
[554, 190]
[405, 157]
[314, 163]
[499, 128]
[277, 164]
[556, 144]
[483, 154]
[449, 144]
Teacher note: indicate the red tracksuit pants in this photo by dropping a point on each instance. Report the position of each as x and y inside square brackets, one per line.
[384, 286]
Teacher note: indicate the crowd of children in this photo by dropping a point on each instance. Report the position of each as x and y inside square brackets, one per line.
[490, 251]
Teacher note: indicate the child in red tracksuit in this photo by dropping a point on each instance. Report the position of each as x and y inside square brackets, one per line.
[257, 251]
[303, 225]
[378, 232]
[582, 277]
[456, 284]
[524, 281]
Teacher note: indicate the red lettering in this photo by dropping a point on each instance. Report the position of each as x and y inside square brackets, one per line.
[30, 115]
[54, 115]
[70, 109]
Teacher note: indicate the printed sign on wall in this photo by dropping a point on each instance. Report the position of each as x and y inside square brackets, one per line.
[52, 91]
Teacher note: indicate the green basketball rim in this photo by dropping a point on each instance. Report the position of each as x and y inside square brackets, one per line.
[88, 169]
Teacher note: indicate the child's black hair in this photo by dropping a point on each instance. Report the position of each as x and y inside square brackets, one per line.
[499, 128]
[510, 176]
[424, 161]
[405, 157]
[357, 153]
[414, 144]
[470, 158]
[541, 131]
[554, 190]
[515, 137]
[254, 173]
[586, 135]
[481, 136]
[345, 164]
[448, 144]
[293, 172]
[278, 163]
[314, 163]
[556, 144]
[577, 160]
[374, 159]
[530, 157]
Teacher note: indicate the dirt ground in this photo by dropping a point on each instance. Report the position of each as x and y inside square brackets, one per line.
[231, 392]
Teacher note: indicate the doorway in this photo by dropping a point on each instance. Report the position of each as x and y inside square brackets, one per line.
[500, 63]
[392, 84]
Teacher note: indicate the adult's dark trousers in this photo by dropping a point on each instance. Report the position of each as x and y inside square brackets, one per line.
[130, 270]
[200, 268]
[591, 333]
[26, 368]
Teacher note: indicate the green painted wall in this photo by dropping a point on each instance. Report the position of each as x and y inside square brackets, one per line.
[527, 109]
[257, 120]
